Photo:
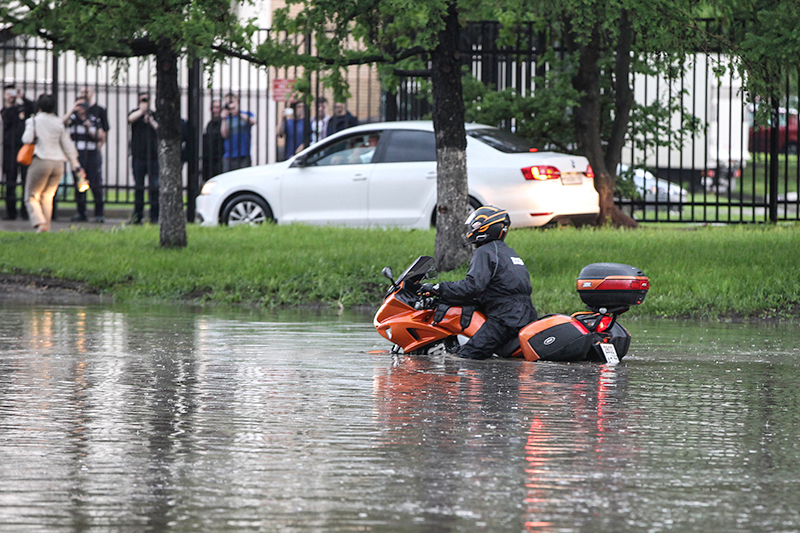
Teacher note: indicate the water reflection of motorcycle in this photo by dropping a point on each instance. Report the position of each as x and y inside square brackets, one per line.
[423, 325]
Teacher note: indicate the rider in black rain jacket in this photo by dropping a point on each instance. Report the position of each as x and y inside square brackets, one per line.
[497, 280]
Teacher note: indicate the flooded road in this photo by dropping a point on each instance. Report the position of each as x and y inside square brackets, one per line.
[131, 419]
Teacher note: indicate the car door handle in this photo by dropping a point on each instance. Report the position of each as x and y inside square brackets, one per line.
[431, 176]
[359, 177]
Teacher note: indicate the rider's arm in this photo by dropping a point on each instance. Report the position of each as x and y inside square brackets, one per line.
[475, 283]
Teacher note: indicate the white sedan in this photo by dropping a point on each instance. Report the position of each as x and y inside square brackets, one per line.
[384, 174]
[655, 191]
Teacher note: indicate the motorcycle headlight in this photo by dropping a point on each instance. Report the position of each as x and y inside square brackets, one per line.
[208, 187]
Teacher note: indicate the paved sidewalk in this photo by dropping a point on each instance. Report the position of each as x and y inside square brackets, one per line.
[114, 217]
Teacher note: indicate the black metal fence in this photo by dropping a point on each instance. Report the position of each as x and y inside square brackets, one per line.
[729, 171]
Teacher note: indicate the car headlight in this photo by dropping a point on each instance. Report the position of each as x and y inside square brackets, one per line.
[208, 187]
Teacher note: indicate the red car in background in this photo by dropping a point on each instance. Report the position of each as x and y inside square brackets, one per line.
[787, 133]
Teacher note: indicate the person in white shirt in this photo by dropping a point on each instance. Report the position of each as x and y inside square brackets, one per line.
[54, 147]
[319, 124]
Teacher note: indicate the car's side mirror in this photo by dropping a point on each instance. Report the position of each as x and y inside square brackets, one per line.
[300, 162]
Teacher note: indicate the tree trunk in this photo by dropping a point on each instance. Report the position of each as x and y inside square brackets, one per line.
[623, 93]
[451, 146]
[588, 115]
[172, 218]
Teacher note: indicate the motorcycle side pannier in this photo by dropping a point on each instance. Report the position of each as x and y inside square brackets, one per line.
[612, 285]
[555, 338]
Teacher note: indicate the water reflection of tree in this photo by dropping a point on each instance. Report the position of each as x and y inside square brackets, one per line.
[165, 405]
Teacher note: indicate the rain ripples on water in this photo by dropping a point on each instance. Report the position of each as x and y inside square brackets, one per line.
[164, 419]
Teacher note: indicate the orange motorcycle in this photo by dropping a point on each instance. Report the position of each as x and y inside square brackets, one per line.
[417, 324]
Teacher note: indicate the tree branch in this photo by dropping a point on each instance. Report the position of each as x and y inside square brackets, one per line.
[364, 60]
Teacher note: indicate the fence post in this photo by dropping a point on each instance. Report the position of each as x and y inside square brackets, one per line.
[54, 89]
[193, 140]
[773, 160]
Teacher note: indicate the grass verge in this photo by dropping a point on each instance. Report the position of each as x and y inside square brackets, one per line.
[701, 272]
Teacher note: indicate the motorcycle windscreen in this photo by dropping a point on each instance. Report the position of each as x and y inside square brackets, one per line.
[418, 269]
[555, 338]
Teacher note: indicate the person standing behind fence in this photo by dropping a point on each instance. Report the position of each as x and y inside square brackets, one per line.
[53, 147]
[319, 124]
[293, 127]
[341, 119]
[16, 110]
[95, 110]
[236, 126]
[213, 143]
[88, 135]
[144, 156]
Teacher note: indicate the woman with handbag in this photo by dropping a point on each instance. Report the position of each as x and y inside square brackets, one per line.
[54, 147]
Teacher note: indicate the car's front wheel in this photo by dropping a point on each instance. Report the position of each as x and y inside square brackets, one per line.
[246, 209]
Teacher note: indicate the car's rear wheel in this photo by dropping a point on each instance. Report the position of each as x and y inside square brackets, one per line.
[473, 205]
[246, 209]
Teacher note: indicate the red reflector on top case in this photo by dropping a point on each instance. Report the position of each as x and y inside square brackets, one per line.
[624, 285]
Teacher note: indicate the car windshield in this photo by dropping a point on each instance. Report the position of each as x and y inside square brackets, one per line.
[502, 140]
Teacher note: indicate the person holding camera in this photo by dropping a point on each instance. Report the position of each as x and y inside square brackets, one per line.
[236, 130]
[292, 128]
[16, 110]
[144, 156]
[88, 131]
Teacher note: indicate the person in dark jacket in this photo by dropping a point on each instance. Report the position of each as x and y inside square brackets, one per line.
[341, 119]
[497, 281]
[213, 143]
[15, 111]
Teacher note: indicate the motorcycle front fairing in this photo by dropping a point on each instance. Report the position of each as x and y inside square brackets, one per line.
[412, 329]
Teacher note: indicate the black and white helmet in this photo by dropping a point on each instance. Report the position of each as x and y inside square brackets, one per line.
[487, 224]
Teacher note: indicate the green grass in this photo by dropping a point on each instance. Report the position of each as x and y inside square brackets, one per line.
[756, 176]
[698, 272]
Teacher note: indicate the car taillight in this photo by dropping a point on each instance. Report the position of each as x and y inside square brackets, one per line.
[589, 172]
[541, 172]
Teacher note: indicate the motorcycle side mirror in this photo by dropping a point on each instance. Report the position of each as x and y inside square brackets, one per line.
[431, 274]
[387, 272]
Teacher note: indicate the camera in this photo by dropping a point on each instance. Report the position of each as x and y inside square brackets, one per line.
[227, 107]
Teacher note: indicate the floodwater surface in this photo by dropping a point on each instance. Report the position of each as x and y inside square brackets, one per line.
[162, 419]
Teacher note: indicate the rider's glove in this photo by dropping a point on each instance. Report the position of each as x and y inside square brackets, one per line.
[426, 289]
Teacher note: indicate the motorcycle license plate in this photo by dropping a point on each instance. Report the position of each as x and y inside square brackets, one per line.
[571, 178]
[610, 353]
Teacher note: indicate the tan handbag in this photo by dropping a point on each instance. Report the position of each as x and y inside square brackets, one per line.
[25, 154]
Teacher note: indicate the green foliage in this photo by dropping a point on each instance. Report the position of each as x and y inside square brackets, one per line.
[350, 32]
[701, 272]
[126, 29]
[543, 117]
[765, 35]
[590, 45]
